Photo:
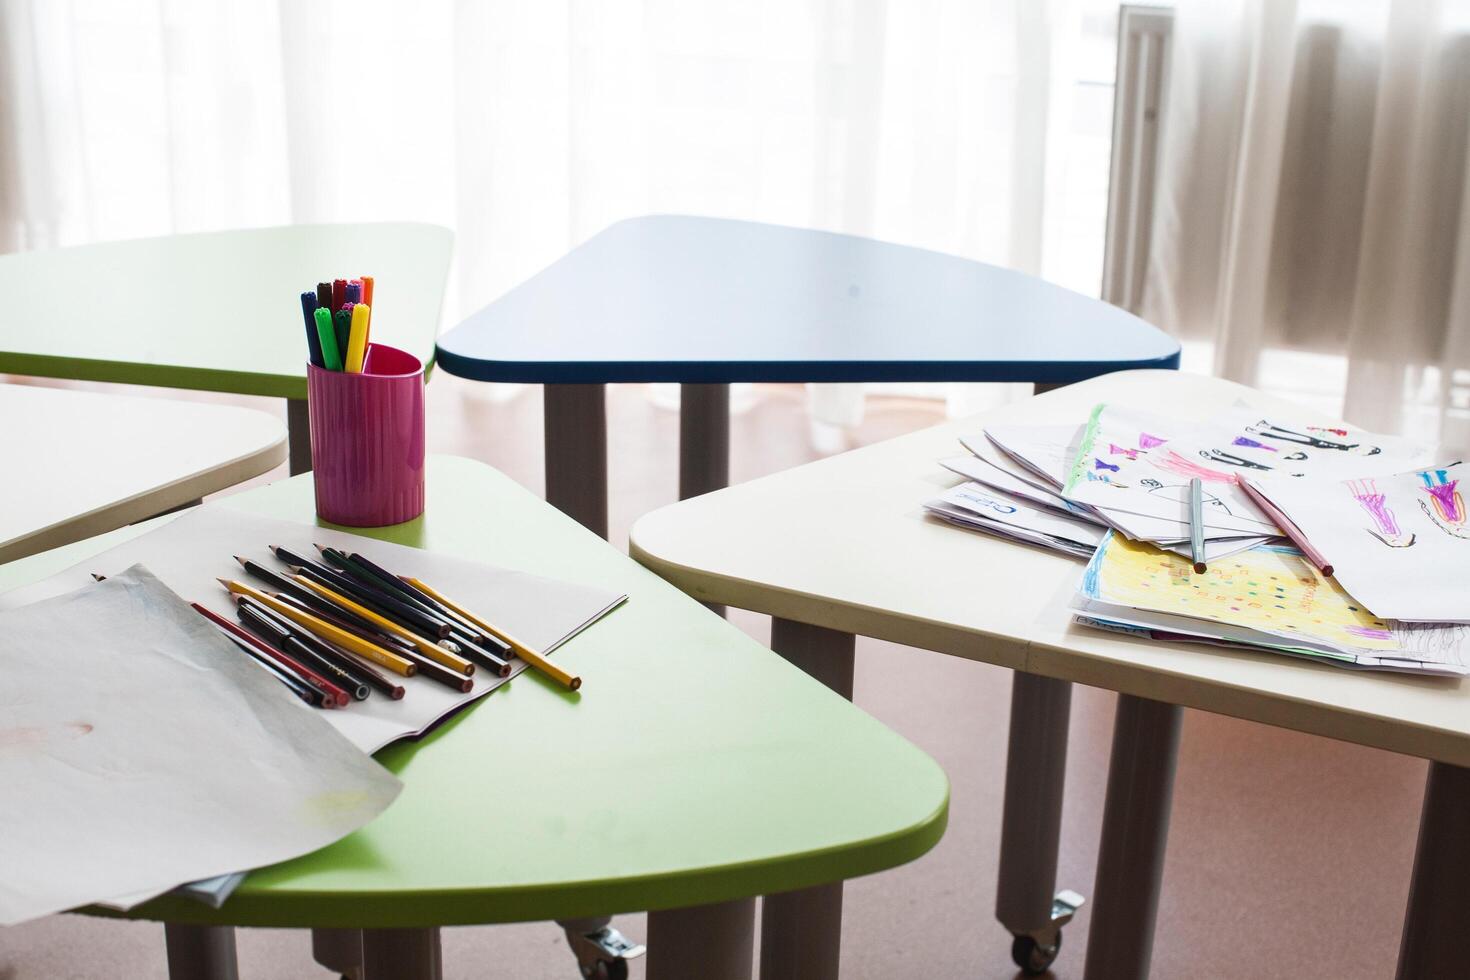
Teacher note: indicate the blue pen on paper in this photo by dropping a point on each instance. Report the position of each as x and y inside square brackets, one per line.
[308, 310]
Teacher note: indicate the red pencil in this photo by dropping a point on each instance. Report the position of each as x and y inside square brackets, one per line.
[333, 695]
[1288, 527]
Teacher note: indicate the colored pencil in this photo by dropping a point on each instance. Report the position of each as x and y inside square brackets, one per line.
[387, 580]
[377, 654]
[520, 649]
[424, 645]
[354, 665]
[328, 695]
[1288, 527]
[339, 618]
[378, 600]
[283, 639]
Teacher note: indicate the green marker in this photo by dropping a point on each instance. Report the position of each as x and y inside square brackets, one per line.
[342, 322]
[331, 358]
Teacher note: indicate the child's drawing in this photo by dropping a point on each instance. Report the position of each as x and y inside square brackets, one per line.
[1180, 491]
[1146, 441]
[1266, 430]
[1368, 496]
[1117, 450]
[1220, 456]
[1444, 506]
[1252, 444]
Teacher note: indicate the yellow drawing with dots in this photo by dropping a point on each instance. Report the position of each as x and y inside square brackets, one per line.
[1268, 588]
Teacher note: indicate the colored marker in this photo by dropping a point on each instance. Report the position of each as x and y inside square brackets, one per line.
[339, 293]
[324, 296]
[354, 291]
[331, 359]
[367, 290]
[1197, 524]
[357, 342]
[342, 330]
[308, 310]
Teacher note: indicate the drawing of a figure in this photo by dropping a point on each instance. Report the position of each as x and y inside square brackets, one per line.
[1265, 429]
[1366, 493]
[1146, 441]
[1116, 450]
[1252, 444]
[1445, 507]
[1220, 456]
[1335, 432]
[1180, 491]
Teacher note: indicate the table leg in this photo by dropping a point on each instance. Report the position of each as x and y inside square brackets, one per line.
[1026, 898]
[298, 435]
[801, 931]
[712, 942]
[704, 439]
[339, 950]
[1436, 938]
[200, 952]
[1130, 861]
[401, 954]
[801, 934]
[576, 453]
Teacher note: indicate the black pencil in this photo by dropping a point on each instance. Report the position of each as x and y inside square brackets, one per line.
[272, 632]
[329, 651]
[378, 601]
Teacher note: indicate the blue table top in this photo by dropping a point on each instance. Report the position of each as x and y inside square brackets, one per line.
[706, 300]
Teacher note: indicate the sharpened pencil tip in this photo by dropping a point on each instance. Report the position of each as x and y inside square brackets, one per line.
[223, 581]
[319, 547]
[239, 559]
[274, 548]
[98, 578]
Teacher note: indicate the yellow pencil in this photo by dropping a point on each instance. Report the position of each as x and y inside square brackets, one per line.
[521, 650]
[357, 339]
[424, 646]
[324, 629]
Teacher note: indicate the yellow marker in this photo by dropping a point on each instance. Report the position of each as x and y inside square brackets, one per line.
[357, 339]
[520, 649]
[324, 629]
[425, 646]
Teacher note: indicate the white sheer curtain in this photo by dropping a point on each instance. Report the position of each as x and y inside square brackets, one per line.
[528, 126]
[1314, 211]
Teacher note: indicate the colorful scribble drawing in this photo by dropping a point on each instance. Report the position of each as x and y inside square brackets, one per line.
[1386, 525]
[1146, 441]
[1445, 507]
[1266, 430]
[1252, 444]
[1188, 468]
[1335, 432]
[1116, 450]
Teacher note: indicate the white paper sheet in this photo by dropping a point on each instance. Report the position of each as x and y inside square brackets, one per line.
[1399, 544]
[985, 472]
[984, 509]
[139, 749]
[189, 553]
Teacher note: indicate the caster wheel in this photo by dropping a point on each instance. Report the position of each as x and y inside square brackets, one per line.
[611, 970]
[1033, 958]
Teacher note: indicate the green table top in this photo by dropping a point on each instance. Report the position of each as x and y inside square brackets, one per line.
[694, 766]
[217, 312]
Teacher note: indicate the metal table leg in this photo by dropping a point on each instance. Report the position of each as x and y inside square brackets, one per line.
[1026, 898]
[576, 453]
[339, 950]
[801, 931]
[200, 952]
[298, 435]
[401, 954]
[1436, 938]
[704, 439]
[1130, 861]
[712, 942]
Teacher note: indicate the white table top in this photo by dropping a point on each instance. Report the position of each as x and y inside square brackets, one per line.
[844, 543]
[80, 463]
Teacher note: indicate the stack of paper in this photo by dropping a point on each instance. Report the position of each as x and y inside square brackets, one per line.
[1268, 597]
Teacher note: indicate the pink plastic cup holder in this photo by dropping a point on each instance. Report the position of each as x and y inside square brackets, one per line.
[367, 439]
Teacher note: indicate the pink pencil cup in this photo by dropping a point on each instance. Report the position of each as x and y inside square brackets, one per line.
[367, 439]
